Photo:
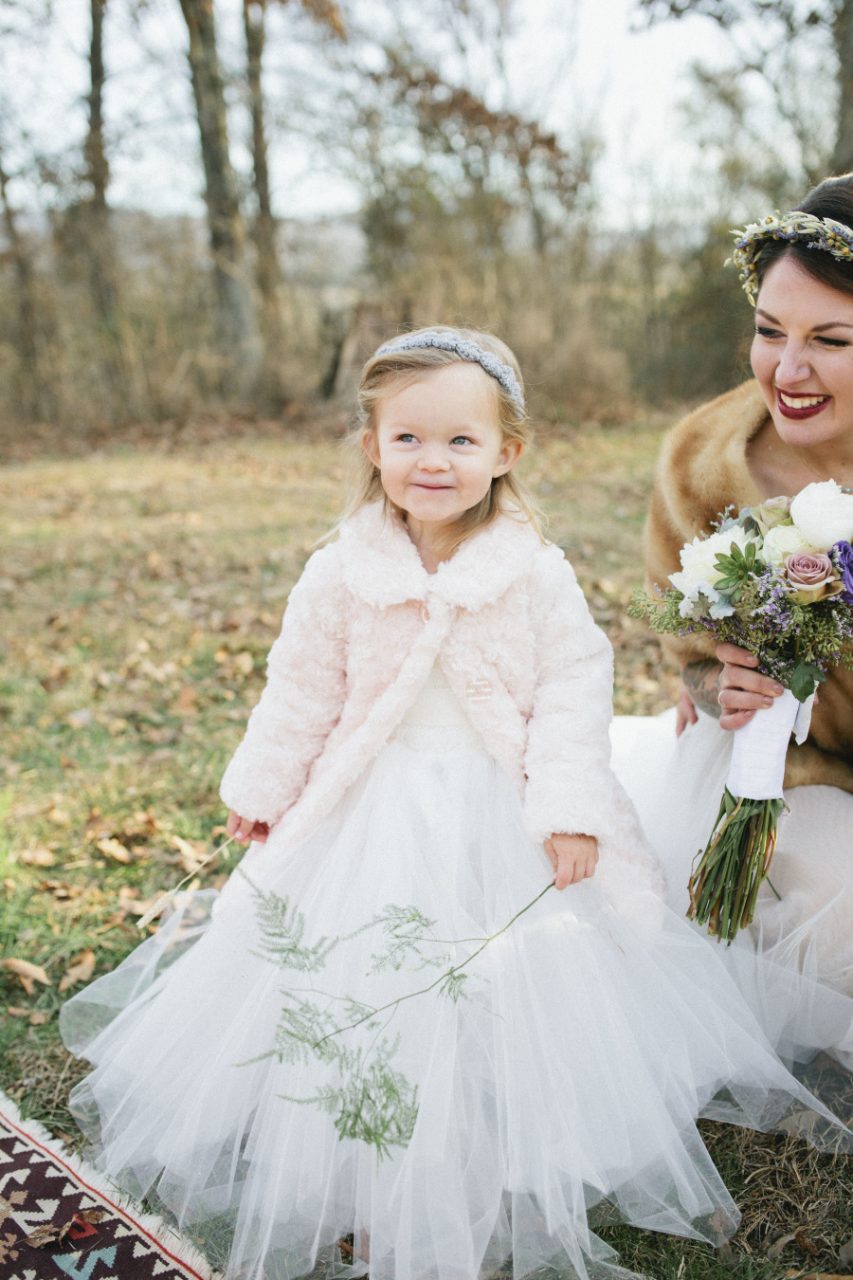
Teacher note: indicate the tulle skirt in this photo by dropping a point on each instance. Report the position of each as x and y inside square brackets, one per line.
[795, 964]
[548, 1078]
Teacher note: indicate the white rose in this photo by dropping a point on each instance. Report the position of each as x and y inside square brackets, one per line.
[782, 541]
[823, 513]
[698, 570]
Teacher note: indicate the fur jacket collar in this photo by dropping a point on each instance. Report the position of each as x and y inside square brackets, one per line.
[381, 566]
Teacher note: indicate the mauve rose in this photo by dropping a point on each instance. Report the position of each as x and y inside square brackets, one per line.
[844, 560]
[808, 570]
[813, 575]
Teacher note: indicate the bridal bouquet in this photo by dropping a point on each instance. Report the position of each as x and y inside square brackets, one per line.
[776, 579]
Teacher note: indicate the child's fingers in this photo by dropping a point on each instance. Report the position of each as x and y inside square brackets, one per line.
[261, 832]
[241, 829]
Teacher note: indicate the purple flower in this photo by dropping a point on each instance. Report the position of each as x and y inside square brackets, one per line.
[843, 556]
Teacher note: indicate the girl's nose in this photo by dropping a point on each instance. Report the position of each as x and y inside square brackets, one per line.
[793, 365]
[434, 459]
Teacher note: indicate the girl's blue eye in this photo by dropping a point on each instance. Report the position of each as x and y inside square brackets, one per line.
[461, 440]
[405, 437]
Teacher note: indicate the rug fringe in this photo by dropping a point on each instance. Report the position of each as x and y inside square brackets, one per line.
[185, 1252]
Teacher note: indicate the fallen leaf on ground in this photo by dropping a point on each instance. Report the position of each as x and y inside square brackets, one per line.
[192, 853]
[27, 974]
[80, 970]
[51, 1233]
[114, 849]
[37, 857]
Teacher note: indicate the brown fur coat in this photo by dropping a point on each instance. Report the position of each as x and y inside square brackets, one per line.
[702, 468]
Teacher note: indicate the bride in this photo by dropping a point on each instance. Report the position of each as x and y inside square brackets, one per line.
[790, 426]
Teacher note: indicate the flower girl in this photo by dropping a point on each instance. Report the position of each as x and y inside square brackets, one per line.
[440, 1007]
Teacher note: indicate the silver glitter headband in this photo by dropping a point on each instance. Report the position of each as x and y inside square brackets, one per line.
[443, 340]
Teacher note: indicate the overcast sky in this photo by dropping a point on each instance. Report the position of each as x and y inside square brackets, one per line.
[627, 83]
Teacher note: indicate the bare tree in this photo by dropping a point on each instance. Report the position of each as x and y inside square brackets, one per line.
[234, 320]
[36, 397]
[785, 23]
[97, 239]
[270, 389]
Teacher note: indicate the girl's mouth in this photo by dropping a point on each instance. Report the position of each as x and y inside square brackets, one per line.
[800, 406]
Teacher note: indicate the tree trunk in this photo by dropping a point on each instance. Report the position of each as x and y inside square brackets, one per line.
[842, 158]
[36, 394]
[225, 225]
[99, 241]
[270, 388]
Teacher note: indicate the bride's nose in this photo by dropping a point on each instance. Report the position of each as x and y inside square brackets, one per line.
[793, 366]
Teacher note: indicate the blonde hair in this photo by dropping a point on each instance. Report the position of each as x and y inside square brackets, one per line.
[390, 371]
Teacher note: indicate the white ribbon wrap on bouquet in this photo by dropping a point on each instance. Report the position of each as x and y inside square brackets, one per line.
[757, 765]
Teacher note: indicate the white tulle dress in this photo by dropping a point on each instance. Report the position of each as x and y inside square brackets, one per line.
[555, 1083]
[795, 964]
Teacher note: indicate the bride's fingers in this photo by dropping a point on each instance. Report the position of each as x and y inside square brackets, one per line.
[733, 678]
[734, 654]
[735, 719]
[743, 700]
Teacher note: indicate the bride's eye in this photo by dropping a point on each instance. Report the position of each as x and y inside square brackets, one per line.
[834, 342]
[764, 331]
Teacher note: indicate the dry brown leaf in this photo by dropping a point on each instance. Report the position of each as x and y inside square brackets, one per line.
[187, 700]
[817, 1275]
[111, 922]
[114, 849]
[192, 852]
[58, 816]
[27, 974]
[80, 970]
[50, 1233]
[60, 889]
[37, 857]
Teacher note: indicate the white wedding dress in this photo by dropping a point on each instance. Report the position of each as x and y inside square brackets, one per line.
[795, 964]
[553, 1081]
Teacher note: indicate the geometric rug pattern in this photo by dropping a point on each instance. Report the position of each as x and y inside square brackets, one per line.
[60, 1220]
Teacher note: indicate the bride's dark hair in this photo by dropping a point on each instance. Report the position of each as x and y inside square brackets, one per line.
[832, 198]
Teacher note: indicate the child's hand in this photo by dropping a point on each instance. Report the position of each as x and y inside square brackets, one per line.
[572, 857]
[246, 829]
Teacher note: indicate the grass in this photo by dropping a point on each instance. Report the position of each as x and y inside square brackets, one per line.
[143, 585]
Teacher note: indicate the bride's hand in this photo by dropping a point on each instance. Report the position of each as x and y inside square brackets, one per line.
[685, 712]
[743, 689]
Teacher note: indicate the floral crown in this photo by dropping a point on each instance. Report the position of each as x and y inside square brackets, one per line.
[813, 232]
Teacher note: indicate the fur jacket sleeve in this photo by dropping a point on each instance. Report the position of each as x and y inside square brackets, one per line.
[702, 468]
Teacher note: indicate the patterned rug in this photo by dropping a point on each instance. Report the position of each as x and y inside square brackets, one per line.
[60, 1220]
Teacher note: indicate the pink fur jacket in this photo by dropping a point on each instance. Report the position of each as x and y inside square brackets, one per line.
[510, 628]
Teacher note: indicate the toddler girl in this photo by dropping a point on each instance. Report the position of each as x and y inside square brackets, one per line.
[441, 1006]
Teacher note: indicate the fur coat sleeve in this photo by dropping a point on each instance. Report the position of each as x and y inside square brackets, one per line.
[570, 784]
[301, 702]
